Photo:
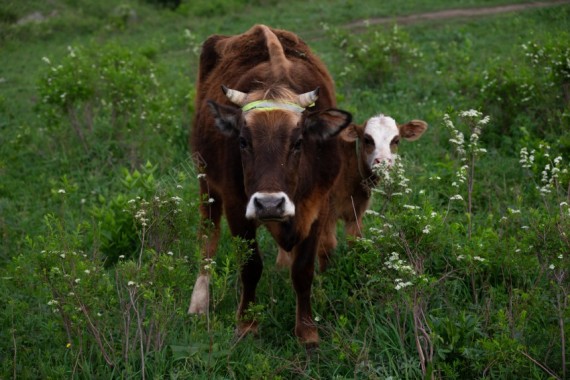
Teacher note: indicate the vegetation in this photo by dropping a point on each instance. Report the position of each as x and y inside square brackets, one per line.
[464, 271]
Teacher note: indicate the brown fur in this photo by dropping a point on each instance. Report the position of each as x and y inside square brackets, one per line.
[273, 64]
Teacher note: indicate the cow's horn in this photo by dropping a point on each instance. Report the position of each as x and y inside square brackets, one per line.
[237, 97]
[309, 98]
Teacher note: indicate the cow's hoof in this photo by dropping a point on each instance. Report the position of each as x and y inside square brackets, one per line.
[200, 296]
[246, 328]
[312, 349]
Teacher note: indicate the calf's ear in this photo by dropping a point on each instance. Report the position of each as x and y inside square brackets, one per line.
[413, 130]
[226, 117]
[329, 123]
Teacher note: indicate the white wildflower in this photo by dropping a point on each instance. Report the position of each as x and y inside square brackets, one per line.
[456, 197]
[470, 113]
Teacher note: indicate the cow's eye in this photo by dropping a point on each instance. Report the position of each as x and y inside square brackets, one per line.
[368, 140]
[243, 143]
[298, 144]
[395, 141]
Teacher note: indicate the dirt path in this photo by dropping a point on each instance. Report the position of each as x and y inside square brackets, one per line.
[452, 14]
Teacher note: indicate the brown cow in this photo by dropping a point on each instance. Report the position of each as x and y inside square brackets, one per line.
[271, 160]
[362, 148]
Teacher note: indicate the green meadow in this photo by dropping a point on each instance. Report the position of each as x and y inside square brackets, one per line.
[464, 268]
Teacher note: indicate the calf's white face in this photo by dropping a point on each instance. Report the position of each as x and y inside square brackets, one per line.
[381, 138]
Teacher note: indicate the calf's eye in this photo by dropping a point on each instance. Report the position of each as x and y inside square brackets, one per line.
[242, 143]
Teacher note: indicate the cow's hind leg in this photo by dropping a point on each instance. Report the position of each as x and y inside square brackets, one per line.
[284, 259]
[327, 242]
[209, 234]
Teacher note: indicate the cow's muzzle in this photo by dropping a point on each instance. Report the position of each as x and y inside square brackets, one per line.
[270, 207]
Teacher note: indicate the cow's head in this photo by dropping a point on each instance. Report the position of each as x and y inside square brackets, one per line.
[380, 136]
[275, 136]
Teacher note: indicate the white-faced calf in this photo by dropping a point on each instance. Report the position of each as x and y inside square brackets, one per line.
[363, 147]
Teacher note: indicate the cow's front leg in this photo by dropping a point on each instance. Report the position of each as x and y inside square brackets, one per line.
[302, 272]
[251, 268]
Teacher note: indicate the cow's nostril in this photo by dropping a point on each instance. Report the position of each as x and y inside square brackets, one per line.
[258, 204]
[269, 203]
[382, 161]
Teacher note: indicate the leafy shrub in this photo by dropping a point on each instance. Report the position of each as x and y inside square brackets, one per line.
[525, 96]
[109, 102]
[374, 57]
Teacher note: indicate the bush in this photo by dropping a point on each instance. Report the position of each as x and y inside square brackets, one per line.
[108, 103]
[374, 57]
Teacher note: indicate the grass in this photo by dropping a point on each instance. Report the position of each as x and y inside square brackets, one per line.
[492, 303]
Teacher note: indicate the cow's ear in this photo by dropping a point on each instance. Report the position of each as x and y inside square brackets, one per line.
[413, 130]
[327, 123]
[350, 133]
[226, 118]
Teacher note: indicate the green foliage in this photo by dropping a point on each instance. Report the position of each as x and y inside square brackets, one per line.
[115, 219]
[463, 271]
[211, 9]
[523, 94]
[109, 102]
[374, 57]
